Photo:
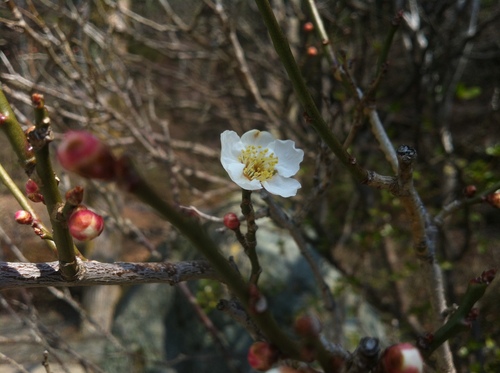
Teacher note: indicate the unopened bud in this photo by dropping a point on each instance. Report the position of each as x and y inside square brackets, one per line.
[308, 27]
[494, 199]
[85, 225]
[307, 326]
[262, 356]
[23, 217]
[31, 187]
[312, 51]
[84, 154]
[470, 191]
[402, 358]
[231, 221]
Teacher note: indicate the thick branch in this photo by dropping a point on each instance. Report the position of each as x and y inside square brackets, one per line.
[22, 275]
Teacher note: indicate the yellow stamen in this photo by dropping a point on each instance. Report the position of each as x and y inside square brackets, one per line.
[258, 163]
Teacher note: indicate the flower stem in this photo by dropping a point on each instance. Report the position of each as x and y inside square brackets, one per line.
[12, 129]
[251, 242]
[40, 138]
[25, 205]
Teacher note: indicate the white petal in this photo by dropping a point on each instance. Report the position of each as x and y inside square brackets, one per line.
[282, 186]
[235, 172]
[258, 138]
[231, 145]
[289, 157]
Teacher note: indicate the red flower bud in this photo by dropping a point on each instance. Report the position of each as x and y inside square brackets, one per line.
[231, 221]
[402, 358]
[84, 154]
[31, 187]
[312, 51]
[307, 326]
[23, 217]
[308, 26]
[85, 225]
[470, 191]
[261, 356]
[494, 199]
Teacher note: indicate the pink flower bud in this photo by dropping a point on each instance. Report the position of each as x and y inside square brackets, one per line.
[470, 191]
[402, 358]
[307, 326]
[84, 154]
[31, 187]
[308, 27]
[231, 221]
[494, 199]
[23, 217]
[261, 356]
[85, 225]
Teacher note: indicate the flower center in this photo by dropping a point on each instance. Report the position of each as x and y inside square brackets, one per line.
[258, 163]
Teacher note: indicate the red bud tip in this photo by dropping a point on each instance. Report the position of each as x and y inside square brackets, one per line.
[24, 217]
[3, 118]
[486, 277]
[470, 191]
[261, 356]
[231, 221]
[312, 51]
[307, 326]
[37, 100]
[84, 154]
[308, 27]
[402, 358]
[31, 187]
[85, 225]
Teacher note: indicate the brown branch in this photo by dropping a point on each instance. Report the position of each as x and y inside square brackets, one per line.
[23, 275]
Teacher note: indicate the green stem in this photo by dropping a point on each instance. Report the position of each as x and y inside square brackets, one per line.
[12, 129]
[40, 138]
[457, 321]
[251, 242]
[312, 112]
[396, 21]
[25, 205]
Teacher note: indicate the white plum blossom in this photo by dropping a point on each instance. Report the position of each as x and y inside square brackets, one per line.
[257, 160]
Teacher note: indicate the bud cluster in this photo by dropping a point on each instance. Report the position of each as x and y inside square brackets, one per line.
[33, 192]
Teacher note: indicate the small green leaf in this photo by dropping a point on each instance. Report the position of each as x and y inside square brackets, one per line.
[467, 93]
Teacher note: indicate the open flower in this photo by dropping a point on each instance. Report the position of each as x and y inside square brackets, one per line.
[257, 160]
